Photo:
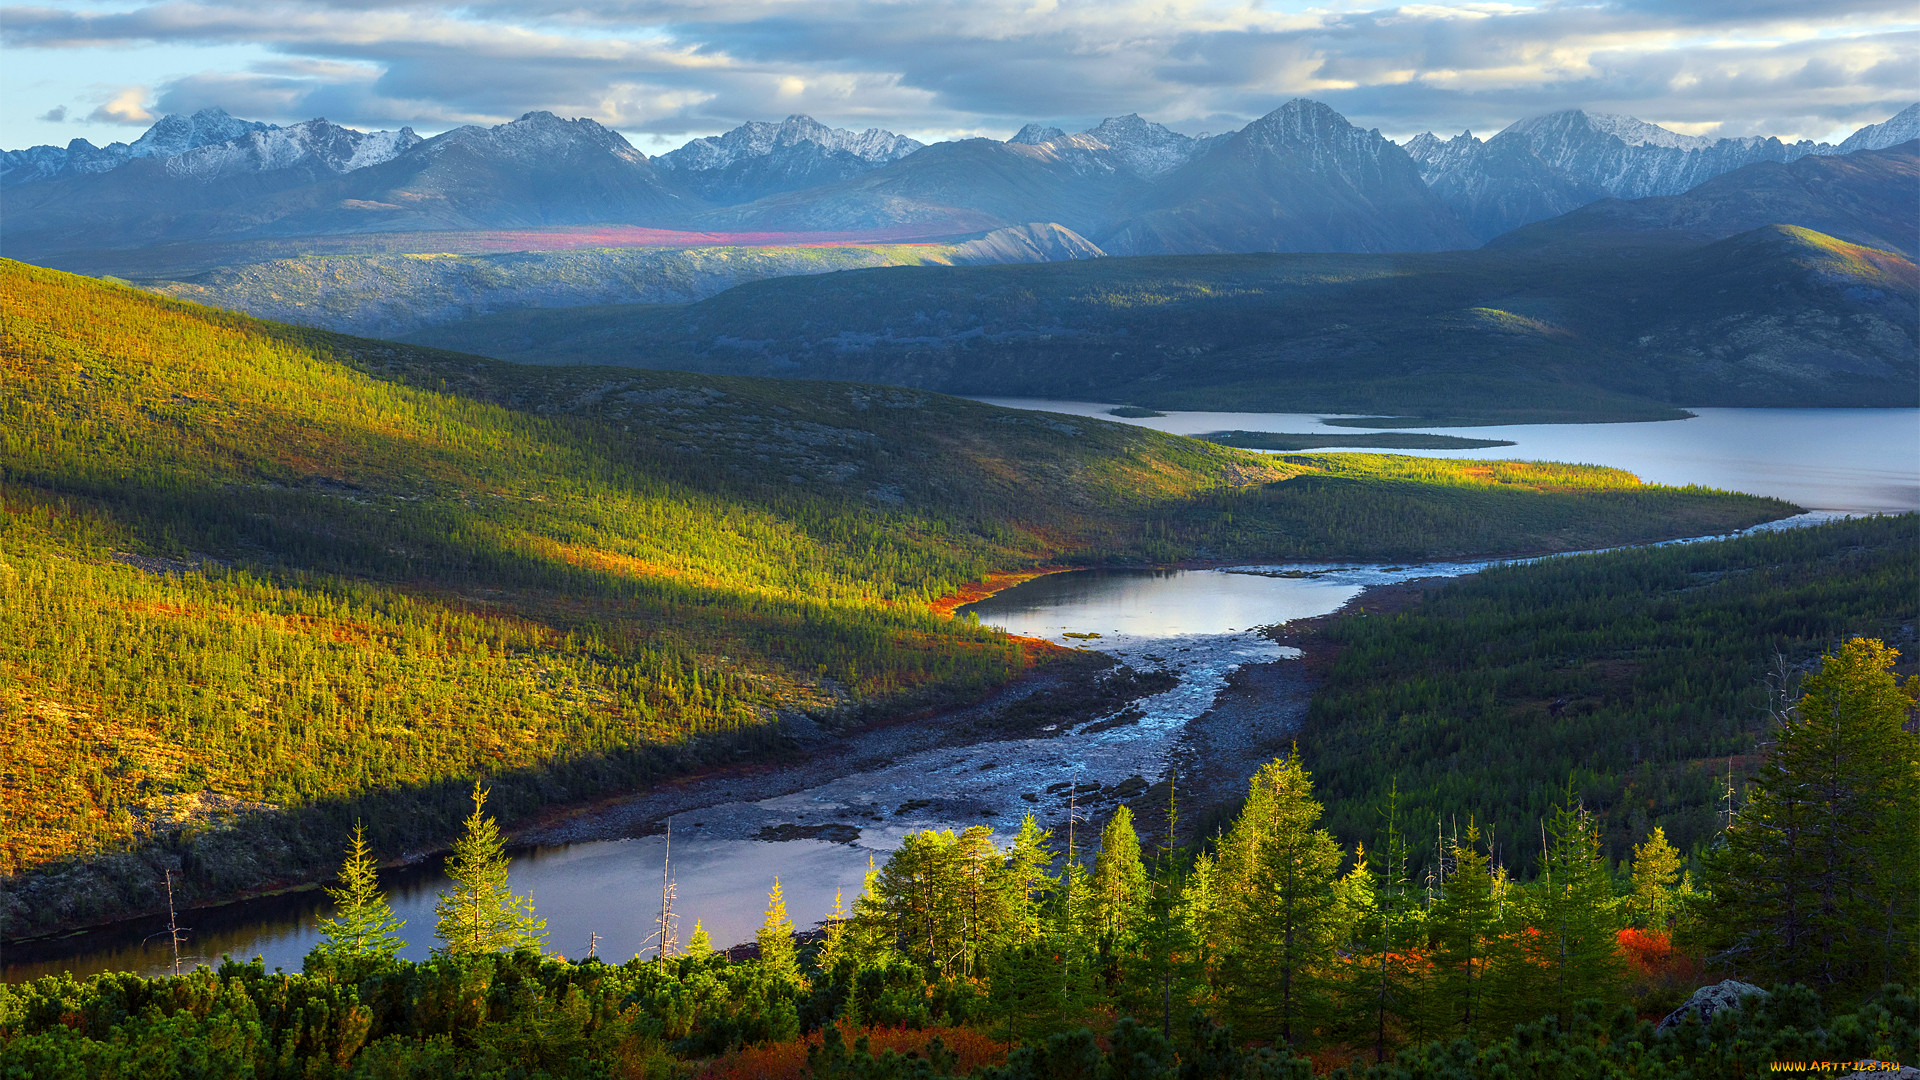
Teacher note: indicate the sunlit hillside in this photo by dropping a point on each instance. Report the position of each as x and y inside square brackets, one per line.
[260, 581]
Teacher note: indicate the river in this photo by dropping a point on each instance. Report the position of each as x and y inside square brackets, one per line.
[1199, 625]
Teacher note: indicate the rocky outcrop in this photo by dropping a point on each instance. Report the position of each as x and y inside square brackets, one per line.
[1709, 1000]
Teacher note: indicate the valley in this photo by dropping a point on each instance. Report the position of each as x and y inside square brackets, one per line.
[1275, 602]
[650, 569]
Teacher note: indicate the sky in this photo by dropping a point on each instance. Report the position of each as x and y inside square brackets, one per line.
[664, 71]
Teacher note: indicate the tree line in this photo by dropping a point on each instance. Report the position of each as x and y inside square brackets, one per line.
[1259, 953]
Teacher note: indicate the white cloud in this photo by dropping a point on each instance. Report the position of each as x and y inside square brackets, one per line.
[126, 106]
[934, 67]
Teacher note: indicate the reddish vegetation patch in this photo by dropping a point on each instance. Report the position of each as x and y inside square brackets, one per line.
[618, 236]
[788, 1060]
[974, 591]
[1653, 958]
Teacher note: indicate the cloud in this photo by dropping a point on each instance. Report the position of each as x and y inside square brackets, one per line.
[55, 115]
[940, 67]
[126, 106]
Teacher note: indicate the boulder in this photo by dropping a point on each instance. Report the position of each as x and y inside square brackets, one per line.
[1709, 1000]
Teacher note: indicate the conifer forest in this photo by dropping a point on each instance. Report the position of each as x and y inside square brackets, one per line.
[1526, 687]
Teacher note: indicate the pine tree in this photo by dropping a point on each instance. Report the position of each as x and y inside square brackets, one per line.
[1656, 872]
[1119, 878]
[700, 944]
[1818, 878]
[1284, 916]
[479, 914]
[779, 959]
[363, 933]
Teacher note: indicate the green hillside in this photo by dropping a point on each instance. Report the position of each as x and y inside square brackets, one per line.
[262, 581]
[1642, 675]
[1778, 316]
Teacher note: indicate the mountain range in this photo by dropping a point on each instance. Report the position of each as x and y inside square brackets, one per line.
[1627, 308]
[1301, 178]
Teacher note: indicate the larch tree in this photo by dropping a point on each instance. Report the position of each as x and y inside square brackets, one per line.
[1818, 877]
[1119, 880]
[1573, 916]
[779, 959]
[1464, 926]
[362, 933]
[1656, 876]
[1281, 905]
[478, 913]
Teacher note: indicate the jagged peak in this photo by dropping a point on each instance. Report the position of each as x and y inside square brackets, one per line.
[1036, 134]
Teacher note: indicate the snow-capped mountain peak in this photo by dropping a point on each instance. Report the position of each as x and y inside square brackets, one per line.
[175, 134]
[1904, 125]
[757, 139]
[539, 138]
[1036, 135]
[316, 142]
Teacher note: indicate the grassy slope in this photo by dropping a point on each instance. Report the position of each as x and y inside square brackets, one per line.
[1767, 318]
[249, 567]
[1637, 673]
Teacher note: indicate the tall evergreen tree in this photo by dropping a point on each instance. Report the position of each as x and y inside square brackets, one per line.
[1573, 916]
[479, 914]
[1023, 882]
[362, 933]
[1656, 874]
[1284, 915]
[1465, 926]
[779, 959]
[1119, 881]
[1382, 986]
[1818, 878]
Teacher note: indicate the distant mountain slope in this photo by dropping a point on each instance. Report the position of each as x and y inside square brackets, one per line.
[1544, 166]
[387, 294]
[1773, 317]
[950, 188]
[757, 159]
[1869, 197]
[1300, 178]
[170, 135]
[1904, 126]
[320, 178]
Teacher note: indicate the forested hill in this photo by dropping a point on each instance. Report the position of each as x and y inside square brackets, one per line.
[1775, 316]
[260, 581]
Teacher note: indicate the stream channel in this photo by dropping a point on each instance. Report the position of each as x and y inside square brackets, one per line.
[817, 825]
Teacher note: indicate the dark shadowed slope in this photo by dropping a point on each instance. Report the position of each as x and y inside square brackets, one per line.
[1869, 197]
[1779, 316]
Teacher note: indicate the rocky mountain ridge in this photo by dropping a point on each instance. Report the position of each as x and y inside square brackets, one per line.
[1301, 178]
[1544, 166]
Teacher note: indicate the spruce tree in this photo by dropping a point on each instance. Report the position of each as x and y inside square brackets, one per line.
[1464, 924]
[362, 933]
[479, 914]
[1818, 878]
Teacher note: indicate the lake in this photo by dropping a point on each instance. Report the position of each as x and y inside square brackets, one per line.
[1837, 461]
[1199, 625]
